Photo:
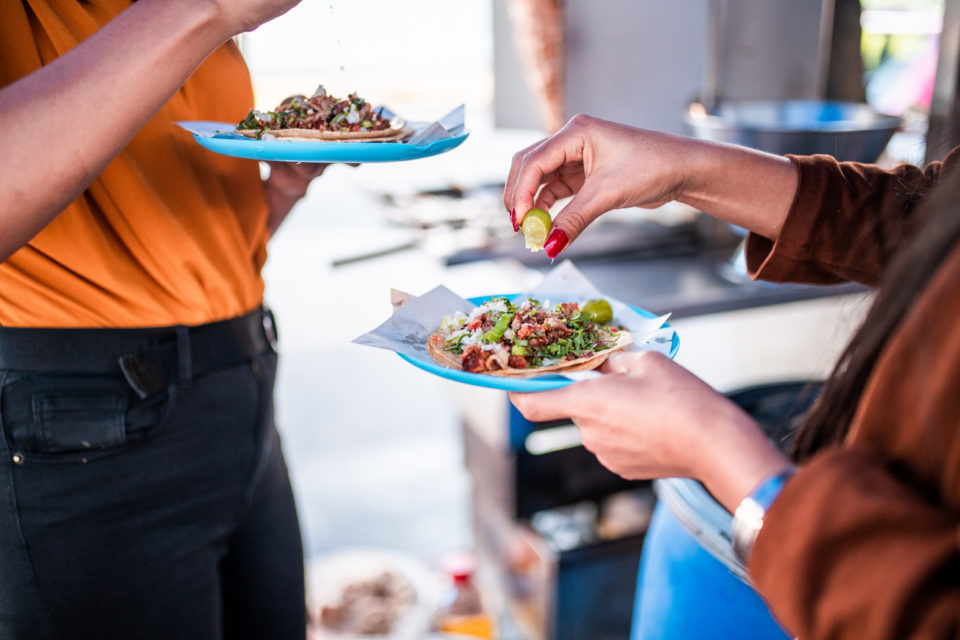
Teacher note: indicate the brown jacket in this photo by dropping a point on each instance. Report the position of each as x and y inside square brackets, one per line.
[864, 542]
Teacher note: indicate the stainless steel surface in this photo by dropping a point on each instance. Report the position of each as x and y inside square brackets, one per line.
[695, 285]
[944, 105]
[845, 130]
[768, 50]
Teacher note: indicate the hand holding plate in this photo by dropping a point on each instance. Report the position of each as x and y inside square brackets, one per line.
[651, 418]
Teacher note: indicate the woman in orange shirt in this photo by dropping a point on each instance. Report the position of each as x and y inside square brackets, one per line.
[143, 492]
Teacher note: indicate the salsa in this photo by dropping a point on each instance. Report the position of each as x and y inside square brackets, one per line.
[499, 334]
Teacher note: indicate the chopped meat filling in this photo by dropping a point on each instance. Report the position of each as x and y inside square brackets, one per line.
[500, 335]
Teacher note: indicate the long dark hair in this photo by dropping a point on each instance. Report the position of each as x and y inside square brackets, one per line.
[903, 281]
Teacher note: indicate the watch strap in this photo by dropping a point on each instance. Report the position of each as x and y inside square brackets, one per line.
[749, 515]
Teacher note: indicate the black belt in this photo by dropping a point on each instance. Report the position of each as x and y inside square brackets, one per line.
[147, 357]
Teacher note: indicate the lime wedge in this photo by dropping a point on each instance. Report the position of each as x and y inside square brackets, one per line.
[598, 310]
[535, 228]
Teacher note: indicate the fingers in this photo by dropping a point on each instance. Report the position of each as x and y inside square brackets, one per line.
[585, 207]
[632, 363]
[314, 171]
[551, 192]
[541, 406]
[534, 165]
[617, 363]
[515, 167]
[557, 168]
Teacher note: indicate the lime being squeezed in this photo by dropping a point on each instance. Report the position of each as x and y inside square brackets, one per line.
[535, 228]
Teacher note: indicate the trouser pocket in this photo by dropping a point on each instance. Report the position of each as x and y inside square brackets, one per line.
[79, 422]
[68, 417]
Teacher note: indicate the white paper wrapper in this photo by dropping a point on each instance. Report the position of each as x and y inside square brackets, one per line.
[449, 126]
[407, 330]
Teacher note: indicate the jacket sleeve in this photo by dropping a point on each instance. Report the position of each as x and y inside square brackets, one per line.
[864, 541]
[849, 551]
[846, 221]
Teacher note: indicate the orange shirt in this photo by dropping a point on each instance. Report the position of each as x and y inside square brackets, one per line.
[169, 233]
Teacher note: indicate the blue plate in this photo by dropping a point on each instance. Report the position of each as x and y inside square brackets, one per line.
[538, 383]
[220, 138]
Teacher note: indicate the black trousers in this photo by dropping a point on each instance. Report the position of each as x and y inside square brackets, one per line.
[143, 491]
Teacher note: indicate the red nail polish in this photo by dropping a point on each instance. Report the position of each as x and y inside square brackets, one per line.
[513, 220]
[555, 243]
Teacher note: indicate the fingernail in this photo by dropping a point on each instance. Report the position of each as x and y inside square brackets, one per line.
[513, 220]
[555, 243]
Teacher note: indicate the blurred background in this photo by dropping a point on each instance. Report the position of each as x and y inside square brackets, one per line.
[389, 459]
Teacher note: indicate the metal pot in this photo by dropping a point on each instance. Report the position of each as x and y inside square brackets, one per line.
[846, 130]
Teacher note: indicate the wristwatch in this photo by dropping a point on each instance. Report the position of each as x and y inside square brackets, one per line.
[748, 517]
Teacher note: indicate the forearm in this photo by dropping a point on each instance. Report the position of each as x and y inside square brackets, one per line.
[287, 184]
[84, 107]
[748, 188]
[280, 201]
[740, 458]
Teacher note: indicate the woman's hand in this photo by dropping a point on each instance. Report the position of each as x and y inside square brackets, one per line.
[648, 417]
[598, 163]
[288, 182]
[238, 16]
[605, 165]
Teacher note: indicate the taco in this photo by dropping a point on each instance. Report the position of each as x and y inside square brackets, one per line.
[323, 117]
[500, 338]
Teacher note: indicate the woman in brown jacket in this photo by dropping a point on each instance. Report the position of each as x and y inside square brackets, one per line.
[858, 535]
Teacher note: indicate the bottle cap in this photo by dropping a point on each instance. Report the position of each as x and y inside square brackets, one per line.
[460, 566]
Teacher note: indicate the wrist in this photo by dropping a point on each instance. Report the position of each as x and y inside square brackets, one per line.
[745, 187]
[694, 170]
[746, 456]
[287, 191]
[219, 21]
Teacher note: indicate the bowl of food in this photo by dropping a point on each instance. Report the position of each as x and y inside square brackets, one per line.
[846, 130]
[370, 594]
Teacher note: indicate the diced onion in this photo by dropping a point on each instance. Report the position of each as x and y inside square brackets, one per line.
[353, 117]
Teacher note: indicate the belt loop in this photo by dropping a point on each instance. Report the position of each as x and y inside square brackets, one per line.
[184, 355]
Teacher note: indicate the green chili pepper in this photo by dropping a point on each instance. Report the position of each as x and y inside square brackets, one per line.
[494, 334]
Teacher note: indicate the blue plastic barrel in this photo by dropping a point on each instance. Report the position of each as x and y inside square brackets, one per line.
[686, 591]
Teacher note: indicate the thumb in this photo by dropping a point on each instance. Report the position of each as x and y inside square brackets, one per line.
[583, 208]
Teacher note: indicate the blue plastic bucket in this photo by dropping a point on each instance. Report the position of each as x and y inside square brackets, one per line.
[690, 585]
